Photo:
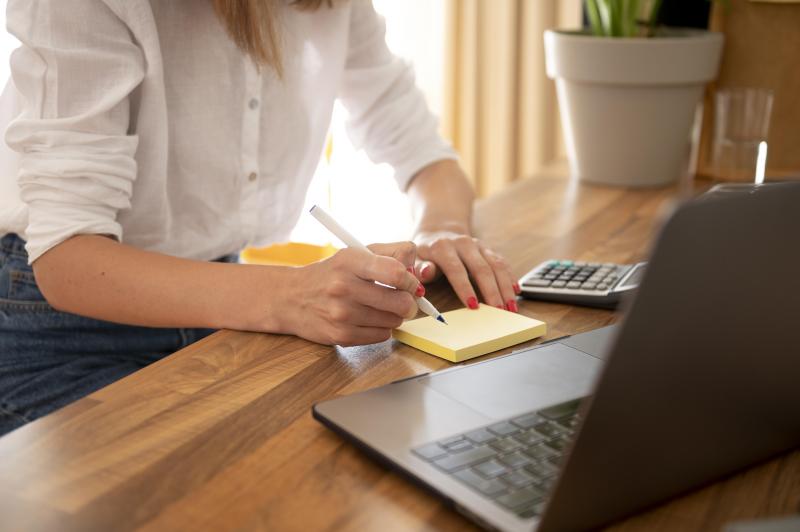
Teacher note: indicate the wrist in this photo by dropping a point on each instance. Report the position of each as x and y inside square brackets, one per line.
[256, 298]
[451, 226]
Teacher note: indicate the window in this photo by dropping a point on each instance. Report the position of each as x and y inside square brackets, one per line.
[361, 195]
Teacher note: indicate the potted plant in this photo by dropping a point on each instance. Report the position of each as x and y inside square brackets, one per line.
[628, 89]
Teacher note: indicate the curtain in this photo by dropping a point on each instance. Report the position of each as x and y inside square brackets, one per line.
[500, 109]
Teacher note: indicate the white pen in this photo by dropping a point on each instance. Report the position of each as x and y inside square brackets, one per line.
[342, 234]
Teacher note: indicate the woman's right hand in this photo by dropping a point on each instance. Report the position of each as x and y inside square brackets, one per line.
[336, 301]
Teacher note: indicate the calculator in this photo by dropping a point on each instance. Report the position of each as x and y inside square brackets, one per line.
[593, 284]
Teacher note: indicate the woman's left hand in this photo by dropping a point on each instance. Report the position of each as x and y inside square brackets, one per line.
[460, 256]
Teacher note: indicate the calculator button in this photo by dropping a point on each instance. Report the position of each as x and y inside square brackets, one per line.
[537, 282]
[567, 263]
[559, 284]
[588, 286]
[580, 264]
[602, 286]
[573, 284]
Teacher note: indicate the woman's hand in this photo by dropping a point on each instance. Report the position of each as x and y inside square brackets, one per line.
[336, 301]
[459, 256]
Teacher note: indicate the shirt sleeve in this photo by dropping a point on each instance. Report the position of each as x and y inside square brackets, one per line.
[75, 69]
[388, 115]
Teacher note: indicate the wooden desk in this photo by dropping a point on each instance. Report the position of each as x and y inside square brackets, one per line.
[220, 435]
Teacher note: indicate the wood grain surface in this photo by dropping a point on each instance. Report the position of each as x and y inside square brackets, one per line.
[219, 436]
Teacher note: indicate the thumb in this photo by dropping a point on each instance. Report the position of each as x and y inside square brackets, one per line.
[427, 271]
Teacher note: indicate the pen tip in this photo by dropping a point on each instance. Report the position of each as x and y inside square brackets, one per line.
[441, 318]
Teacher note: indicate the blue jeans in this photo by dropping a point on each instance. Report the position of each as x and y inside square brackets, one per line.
[49, 358]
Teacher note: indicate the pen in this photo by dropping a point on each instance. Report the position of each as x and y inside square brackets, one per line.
[342, 234]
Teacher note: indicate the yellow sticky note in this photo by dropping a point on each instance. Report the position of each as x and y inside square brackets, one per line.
[469, 333]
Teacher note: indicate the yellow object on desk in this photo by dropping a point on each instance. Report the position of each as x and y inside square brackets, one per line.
[289, 254]
[469, 333]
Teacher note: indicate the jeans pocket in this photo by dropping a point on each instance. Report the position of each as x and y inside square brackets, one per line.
[22, 287]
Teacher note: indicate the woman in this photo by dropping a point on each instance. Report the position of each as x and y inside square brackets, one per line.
[152, 140]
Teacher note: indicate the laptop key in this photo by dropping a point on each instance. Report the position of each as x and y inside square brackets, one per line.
[541, 469]
[504, 428]
[480, 436]
[529, 437]
[548, 429]
[506, 445]
[527, 421]
[491, 468]
[460, 446]
[557, 444]
[539, 452]
[521, 498]
[489, 487]
[561, 410]
[432, 451]
[546, 483]
[515, 460]
[456, 461]
[520, 478]
[447, 442]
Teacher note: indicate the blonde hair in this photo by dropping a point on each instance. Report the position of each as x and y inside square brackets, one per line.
[253, 26]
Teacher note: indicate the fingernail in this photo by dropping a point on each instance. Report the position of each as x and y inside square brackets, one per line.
[500, 307]
[420, 291]
[517, 289]
[423, 273]
[472, 302]
[512, 306]
[410, 270]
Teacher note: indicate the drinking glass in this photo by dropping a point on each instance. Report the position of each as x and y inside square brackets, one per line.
[741, 123]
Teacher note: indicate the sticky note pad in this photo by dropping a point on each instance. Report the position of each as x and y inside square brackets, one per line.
[469, 333]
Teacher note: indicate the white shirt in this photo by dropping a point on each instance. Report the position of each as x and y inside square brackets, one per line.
[141, 119]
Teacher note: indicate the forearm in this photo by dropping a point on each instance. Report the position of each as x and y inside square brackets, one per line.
[441, 199]
[98, 277]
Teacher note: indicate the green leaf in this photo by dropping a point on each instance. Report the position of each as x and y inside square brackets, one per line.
[594, 18]
[605, 16]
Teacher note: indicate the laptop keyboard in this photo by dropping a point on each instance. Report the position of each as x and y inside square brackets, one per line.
[513, 462]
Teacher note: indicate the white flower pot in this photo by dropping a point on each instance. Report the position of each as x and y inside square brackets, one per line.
[627, 104]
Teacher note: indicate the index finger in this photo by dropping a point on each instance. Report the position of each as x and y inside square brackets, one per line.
[389, 272]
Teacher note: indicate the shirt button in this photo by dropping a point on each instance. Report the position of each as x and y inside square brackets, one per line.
[253, 103]
[252, 177]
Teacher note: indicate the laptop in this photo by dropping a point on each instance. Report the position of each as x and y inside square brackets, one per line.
[699, 380]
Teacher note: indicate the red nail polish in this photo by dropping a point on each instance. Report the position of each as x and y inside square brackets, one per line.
[410, 270]
[517, 289]
[472, 302]
[420, 291]
[512, 306]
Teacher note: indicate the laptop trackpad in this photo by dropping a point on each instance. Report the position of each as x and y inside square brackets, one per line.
[512, 385]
